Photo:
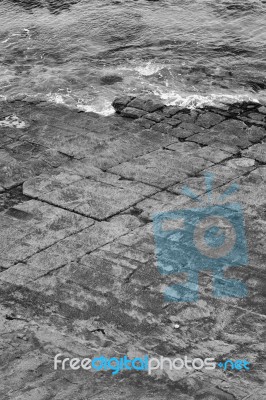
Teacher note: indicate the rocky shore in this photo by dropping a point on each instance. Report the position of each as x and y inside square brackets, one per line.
[78, 272]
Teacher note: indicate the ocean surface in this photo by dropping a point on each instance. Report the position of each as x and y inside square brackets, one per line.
[84, 53]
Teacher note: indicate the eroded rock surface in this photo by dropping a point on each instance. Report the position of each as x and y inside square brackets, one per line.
[78, 270]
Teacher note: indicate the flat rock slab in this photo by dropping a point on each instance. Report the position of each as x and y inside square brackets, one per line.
[209, 119]
[231, 132]
[32, 226]
[68, 249]
[257, 151]
[78, 269]
[123, 148]
[98, 199]
[162, 168]
[21, 160]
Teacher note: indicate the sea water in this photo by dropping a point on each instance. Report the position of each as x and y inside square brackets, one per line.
[84, 53]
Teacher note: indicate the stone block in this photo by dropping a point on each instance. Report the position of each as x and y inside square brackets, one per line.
[146, 104]
[131, 112]
[257, 151]
[98, 199]
[161, 168]
[155, 116]
[33, 226]
[209, 119]
[121, 102]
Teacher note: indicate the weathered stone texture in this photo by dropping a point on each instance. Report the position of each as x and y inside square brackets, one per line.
[78, 268]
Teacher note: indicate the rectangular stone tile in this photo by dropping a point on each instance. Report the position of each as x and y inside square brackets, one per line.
[210, 153]
[213, 154]
[45, 183]
[251, 193]
[21, 160]
[78, 146]
[162, 202]
[226, 147]
[24, 151]
[99, 198]
[188, 116]
[231, 132]
[32, 226]
[161, 168]
[196, 185]
[16, 173]
[224, 173]
[187, 130]
[49, 136]
[116, 250]
[231, 169]
[209, 119]
[68, 249]
[82, 167]
[126, 147]
[257, 151]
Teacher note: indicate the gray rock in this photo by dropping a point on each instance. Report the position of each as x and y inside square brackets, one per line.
[121, 102]
[262, 110]
[145, 123]
[149, 105]
[257, 116]
[110, 79]
[131, 112]
[156, 117]
[209, 119]
[171, 110]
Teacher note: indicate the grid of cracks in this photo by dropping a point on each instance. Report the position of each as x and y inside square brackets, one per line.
[77, 259]
[250, 395]
[25, 260]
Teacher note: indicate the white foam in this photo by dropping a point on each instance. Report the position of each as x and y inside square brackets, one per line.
[148, 69]
[12, 121]
[198, 101]
[101, 106]
[55, 98]
[102, 109]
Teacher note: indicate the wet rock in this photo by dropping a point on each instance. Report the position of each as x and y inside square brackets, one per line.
[262, 110]
[145, 123]
[171, 110]
[131, 112]
[187, 117]
[163, 127]
[209, 119]
[174, 122]
[121, 102]
[148, 105]
[110, 79]
[257, 116]
[156, 117]
[255, 134]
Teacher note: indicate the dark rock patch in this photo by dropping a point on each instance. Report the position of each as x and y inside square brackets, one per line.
[12, 197]
[110, 79]
[120, 103]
